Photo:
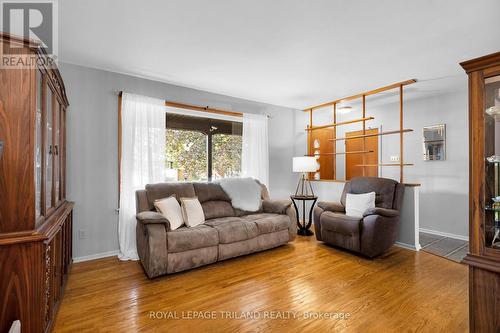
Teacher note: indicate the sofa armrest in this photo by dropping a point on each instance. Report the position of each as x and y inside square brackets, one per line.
[292, 227]
[150, 217]
[381, 211]
[317, 212]
[331, 206]
[152, 247]
[276, 206]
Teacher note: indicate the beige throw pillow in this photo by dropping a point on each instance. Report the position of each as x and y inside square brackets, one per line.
[192, 212]
[170, 208]
[357, 204]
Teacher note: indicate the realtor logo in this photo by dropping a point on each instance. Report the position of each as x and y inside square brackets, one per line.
[35, 20]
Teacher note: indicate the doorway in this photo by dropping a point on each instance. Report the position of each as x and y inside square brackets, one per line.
[361, 157]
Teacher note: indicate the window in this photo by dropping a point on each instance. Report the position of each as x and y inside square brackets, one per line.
[202, 148]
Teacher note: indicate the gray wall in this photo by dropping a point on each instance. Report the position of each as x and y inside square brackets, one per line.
[93, 146]
[444, 184]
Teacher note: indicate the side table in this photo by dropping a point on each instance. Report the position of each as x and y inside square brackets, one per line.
[304, 227]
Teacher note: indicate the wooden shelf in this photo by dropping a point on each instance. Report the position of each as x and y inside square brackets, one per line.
[369, 135]
[433, 141]
[382, 164]
[342, 153]
[339, 124]
[366, 93]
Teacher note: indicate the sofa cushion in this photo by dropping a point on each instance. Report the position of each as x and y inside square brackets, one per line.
[268, 222]
[233, 229]
[163, 190]
[171, 210]
[340, 223]
[357, 204]
[192, 212]
[215, 209]
[215, 202]
[184, 238]
[210, 192]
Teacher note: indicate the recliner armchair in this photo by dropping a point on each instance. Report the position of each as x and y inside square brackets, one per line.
[370, 235]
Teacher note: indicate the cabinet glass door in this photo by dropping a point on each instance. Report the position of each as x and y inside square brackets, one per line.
[49, 151]
[56, 148]
[492, 167]
[62, 152]
[38, 145]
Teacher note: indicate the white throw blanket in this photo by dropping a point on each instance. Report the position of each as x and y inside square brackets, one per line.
[245, 193]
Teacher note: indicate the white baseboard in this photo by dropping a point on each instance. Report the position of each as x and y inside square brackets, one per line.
[444, 234]
[96, 256]
[407, 246]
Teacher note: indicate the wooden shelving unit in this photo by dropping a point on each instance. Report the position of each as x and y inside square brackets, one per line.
[385, 164]
[313, 128]
[344, 152]
[370, 135]
[329, 132]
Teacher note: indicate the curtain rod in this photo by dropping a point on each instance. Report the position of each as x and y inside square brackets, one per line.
[199, 108]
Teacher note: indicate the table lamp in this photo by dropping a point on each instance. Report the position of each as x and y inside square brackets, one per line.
[304, 164]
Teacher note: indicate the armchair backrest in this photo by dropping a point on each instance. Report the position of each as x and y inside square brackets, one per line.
[389, 193]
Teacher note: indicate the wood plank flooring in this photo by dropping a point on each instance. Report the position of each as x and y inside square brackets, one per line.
[402, 291]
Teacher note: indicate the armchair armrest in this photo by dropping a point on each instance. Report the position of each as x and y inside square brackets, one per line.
[276, 206]
[149, 217]
[381, 211]
[331, 206]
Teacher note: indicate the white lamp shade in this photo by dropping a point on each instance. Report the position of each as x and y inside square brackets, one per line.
[304, 164]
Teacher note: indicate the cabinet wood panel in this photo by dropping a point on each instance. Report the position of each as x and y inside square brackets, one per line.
[485, 300]
[17, 209]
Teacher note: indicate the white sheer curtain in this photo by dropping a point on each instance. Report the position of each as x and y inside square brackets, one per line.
[142, 160]
[255, 153]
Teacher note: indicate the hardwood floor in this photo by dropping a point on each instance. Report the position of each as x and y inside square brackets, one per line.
[402, 291]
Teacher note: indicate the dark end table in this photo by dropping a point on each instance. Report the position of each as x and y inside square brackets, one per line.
[304, 228]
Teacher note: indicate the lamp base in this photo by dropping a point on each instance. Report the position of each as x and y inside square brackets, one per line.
[303, 185]
[304, 232]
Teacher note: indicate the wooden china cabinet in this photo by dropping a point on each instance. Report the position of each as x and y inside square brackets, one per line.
[35, 217]
[484, 196]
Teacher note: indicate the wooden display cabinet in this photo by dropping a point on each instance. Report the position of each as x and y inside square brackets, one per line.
[484, 197]
[35, 217]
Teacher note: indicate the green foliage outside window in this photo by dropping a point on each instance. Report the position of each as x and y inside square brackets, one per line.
[226, 155]
[187, 152]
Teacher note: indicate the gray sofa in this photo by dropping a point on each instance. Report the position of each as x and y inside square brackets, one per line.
[227, 232]
[371, 234]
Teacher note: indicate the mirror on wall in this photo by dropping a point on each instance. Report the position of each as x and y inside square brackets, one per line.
[434, 142]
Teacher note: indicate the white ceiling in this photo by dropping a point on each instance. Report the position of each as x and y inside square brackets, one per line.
[287, 52]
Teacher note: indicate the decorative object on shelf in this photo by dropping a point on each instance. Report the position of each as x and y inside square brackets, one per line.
[304, 165]
[317, 176]
[434, 142]
[304, 227]
[316, 154]
[494, 111]
[493, 159]
[316, 143]
[496, 207]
